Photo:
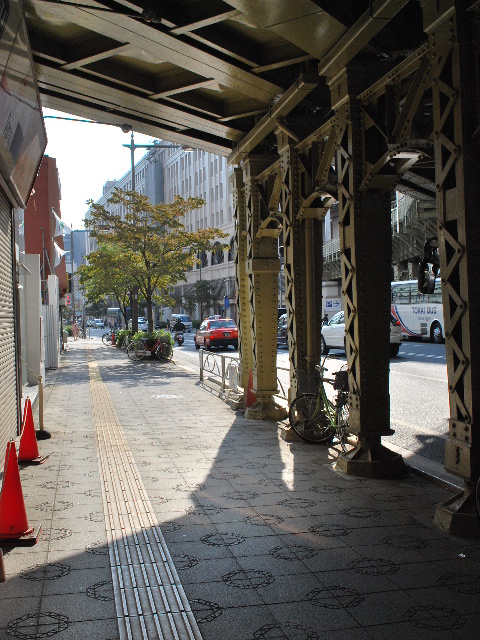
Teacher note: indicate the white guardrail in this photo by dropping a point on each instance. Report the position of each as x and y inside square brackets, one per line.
[222, 371]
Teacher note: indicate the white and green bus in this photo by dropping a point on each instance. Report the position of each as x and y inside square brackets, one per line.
[420, 315]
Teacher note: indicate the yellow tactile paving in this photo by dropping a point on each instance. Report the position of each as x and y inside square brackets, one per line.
[149, 597]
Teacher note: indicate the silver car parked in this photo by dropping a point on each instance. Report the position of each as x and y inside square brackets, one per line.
[333, 334]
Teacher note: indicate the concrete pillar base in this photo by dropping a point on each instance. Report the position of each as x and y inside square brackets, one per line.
[288, 434]
[266, 410]
[458, 516]
[372, 461]
[235, 402]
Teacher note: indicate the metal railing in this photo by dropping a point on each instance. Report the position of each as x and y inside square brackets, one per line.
[222, 371]
[331, 250]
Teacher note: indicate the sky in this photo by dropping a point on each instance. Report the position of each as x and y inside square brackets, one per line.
[87, 155]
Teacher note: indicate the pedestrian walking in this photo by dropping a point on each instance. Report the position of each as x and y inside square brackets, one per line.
[75, 330]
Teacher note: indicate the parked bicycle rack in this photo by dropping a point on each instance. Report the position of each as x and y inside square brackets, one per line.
[222, 370]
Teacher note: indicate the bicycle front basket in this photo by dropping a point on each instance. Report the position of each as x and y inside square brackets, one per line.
[341, 380]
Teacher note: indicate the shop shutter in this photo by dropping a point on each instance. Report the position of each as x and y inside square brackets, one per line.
[8, 373]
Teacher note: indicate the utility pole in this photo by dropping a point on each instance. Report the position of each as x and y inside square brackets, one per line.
[201, 289]
[134, 297]
[73, 279]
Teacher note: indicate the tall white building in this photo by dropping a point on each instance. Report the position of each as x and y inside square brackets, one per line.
[163, 173]
[204, 175]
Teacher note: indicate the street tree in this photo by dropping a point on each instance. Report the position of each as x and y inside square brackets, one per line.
[107, 276]
[153, 239]
[204, 296]
[190, 303]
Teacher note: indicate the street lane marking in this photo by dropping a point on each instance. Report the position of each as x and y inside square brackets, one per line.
[415, 375]
[421, 355]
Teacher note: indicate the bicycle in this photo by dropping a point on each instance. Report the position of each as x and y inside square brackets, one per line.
[138, 350]
[315, 418]
[109, 338]
[127, 341]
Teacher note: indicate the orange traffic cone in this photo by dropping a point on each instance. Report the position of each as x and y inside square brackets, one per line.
[28, 449]
[14, 527]
[250, 398]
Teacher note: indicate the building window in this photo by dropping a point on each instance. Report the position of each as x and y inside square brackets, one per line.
[231, 250]
[217, 254]
[202, 256]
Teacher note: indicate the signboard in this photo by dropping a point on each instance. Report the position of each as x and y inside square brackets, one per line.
[227, 302]
[333, 304]
[22, 131]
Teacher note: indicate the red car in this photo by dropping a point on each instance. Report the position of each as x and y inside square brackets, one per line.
[220, 332]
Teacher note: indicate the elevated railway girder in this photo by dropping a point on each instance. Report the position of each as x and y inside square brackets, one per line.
[312, 101]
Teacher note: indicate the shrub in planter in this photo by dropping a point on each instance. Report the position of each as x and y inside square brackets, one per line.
[121, 336]
[196, 324]
[151, 338]
[68, 329]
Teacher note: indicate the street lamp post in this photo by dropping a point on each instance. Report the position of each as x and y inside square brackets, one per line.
[132, 146]
[201, 289]
[134, 303]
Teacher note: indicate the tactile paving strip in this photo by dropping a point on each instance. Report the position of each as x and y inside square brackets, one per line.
[149, 598]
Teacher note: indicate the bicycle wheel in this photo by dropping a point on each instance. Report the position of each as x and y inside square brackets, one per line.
[165, 352]
[311, 429]
[107, 338]
[136, 350]
[342, 415]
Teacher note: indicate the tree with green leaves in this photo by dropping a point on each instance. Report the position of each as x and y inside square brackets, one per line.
[189, 303]
[156, 247]
[106, 276]
[204, 295]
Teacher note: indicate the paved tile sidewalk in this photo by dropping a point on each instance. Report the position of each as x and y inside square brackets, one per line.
[269, 541]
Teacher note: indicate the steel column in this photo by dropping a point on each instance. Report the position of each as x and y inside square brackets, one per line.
[263, 267]
[365, 242]
[454, 51]
[245, 337]
[302, 240]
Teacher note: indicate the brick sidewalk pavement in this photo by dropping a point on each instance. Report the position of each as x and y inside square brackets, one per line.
[163, 509]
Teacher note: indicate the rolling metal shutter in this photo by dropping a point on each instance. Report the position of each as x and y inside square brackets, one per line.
[8, 370]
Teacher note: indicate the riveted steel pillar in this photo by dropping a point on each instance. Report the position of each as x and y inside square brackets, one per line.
[263, 267]
[303, 242]
[365, 243]
[454, 51]
[245, 336]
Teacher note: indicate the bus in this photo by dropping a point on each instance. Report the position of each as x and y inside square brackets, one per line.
[420, 315]
[114, 317]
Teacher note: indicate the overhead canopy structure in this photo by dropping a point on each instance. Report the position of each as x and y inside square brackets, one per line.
[218, 75]
[315, 102]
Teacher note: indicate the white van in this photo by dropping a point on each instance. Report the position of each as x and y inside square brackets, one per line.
[183, 318]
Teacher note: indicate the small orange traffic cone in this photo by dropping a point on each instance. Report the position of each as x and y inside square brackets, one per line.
[14, 527]
[250, 398]
[28, 449]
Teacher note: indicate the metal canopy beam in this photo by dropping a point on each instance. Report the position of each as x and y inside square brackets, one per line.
[163, 46]
[268, 123]
[362, 32]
